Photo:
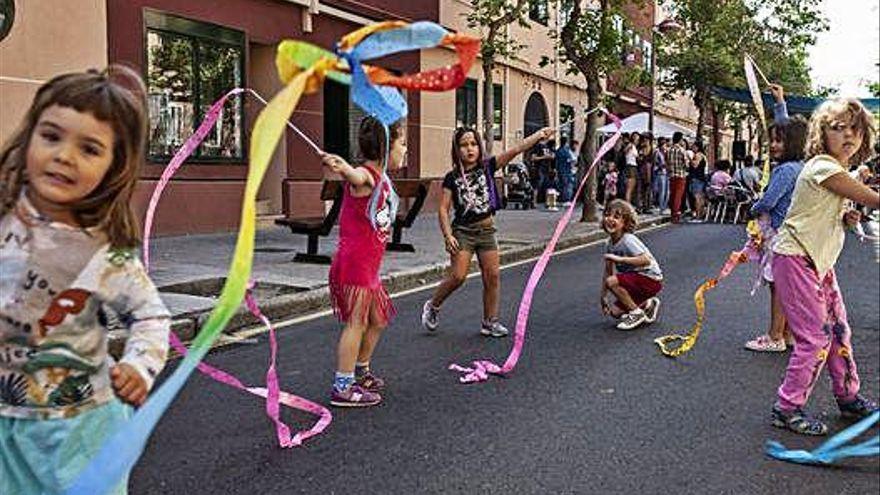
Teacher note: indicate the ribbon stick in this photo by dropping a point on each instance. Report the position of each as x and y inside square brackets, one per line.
[834, 448]
[480, 370]
[749, 67]
[272, 392]
[752, 251]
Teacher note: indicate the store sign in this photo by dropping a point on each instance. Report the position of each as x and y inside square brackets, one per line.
[7, 17]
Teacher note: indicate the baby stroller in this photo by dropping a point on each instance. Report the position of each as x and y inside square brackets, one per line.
[520, 193]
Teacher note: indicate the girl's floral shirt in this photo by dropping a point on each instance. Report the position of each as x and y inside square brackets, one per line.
[62, 290]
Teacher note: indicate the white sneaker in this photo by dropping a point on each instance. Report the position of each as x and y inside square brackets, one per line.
[430, 316]
[493, 329]
[652, 308]
[632, 320]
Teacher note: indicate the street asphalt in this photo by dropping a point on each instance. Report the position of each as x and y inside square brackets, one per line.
[589, 409]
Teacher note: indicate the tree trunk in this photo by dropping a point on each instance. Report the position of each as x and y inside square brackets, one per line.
[488, 106]
[716, 133]
[589, 146]
[701, 101]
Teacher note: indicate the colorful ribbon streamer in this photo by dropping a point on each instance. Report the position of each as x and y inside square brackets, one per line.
[120, 452]
[752, 251]
[118, 455]
[834, 449]
[481, 369]
[272, 392]
[752, 81]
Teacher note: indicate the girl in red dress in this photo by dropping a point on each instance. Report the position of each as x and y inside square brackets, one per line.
[356, 292]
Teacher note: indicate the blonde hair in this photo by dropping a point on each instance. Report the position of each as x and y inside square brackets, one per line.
[853, 110]
[626, 211]
[117, 96]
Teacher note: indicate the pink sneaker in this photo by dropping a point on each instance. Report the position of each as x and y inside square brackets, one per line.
[763, 343]
[354, 396]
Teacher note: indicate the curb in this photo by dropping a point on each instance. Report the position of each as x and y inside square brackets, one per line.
[186, 325]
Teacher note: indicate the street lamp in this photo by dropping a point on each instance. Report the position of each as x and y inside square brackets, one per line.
[666, 26]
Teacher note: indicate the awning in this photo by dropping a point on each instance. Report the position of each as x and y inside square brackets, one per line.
[638, 122]
[795, 104]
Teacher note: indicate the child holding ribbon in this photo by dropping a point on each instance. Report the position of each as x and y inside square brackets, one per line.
[809, 242]
[470, 189]
[632, 273]
[788, 139]
[68, 275]
[356, 292]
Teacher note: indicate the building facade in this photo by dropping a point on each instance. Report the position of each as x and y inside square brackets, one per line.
[191, 53]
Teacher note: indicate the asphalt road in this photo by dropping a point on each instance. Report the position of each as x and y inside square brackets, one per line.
[589, 409]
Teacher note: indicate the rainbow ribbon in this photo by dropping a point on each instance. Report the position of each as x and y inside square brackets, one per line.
[302, 69]
[480, 370]
[834, 449]
[272, 393]
[751, 251]
[749, 67]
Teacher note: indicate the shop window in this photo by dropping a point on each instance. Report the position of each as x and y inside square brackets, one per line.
[566, 121]
[189, 66]
[466, 104]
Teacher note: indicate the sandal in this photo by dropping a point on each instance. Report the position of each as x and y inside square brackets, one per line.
[798, 422]
[763, 343]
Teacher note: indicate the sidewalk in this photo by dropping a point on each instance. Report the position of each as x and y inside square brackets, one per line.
[190, 270]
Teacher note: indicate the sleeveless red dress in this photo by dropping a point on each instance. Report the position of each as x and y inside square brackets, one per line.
[354, 272]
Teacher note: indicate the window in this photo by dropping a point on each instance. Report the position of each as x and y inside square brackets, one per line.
[565, 11]
[341, 122]
[466, 104]
[498, 112]
[189, 66]
[646, 55]
[566, 121]
[539, 11]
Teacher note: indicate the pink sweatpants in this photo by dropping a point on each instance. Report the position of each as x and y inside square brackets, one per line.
[817, 317]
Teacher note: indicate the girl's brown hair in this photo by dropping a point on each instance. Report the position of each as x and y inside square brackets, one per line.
[793, 135]
[456, 153]
[117, 96]
[371, 138]
[627, 214]
[851, 109]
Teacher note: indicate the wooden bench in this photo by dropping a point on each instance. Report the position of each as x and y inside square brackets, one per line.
[417, 190]
[316, 227]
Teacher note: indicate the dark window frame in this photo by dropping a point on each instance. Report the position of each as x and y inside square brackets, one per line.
[539, 11]
[468, 91]
[498, 111]
[200, 33]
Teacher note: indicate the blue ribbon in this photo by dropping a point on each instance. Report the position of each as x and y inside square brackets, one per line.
[834, 449]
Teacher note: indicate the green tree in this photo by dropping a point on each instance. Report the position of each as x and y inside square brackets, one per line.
[493, 17]
[591, 44]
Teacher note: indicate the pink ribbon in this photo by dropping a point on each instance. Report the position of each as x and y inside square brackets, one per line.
[272, 392]
[481, 369]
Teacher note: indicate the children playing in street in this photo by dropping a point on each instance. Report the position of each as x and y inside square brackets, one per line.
[632, 274]
[470, 189]
[69, 275]
[811, 238]
[356, 292]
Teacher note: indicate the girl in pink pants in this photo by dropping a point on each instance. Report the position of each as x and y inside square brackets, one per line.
[808, 245]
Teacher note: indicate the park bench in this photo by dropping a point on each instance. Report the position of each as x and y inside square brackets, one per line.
[315, 227]
[417, 191]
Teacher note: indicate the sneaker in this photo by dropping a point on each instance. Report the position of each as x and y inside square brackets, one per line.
[652, 309]
[430, 316]
[859, 408]
[763, 343]
[354, 396]
[798, 422]
[370, 382]
[493, 329]
[632, 319]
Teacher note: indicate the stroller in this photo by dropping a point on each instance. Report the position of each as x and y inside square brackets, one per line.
[520, 193]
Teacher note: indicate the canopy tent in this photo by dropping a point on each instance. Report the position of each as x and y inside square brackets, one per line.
[795, 104]
[638, 122]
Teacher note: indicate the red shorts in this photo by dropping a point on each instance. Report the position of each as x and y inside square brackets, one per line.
[640, 287]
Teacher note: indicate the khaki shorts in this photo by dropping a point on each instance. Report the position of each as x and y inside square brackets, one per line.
[476, 238]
